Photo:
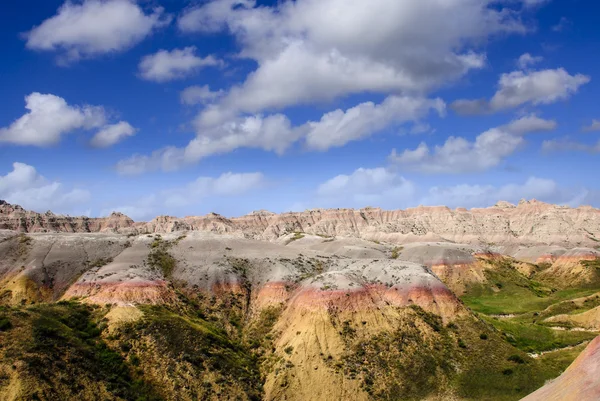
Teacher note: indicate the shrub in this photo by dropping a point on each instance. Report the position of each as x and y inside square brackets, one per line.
[516, 359]
[5, 324]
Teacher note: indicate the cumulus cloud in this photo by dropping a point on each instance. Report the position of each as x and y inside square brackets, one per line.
[271, 133]
[527, 60]
[366, 187]
[48, 119]
[112, 134]
[26, 187]
[95, 27]
[338, 127]
[304, 55]
[275, 133]
[164, 65]
[199, 95]
[521, 87]
[194, 193]
[594, 126]
[459, 155]
[530, 123]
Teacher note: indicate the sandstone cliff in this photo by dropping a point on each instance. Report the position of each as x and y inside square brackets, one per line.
[528, 223]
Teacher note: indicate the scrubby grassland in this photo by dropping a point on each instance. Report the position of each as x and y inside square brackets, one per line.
[56, 352]
[517, 307]
[184, 357]
[467, 359]
[65, 351]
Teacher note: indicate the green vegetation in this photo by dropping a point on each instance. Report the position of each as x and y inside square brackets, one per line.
[531, 337]
[396, 252]
[160, 258]
[509, 292]
[100, 262]
[517, 306]
[422, 357]
[5, 324]
[59, 353]
[23, 244]
[591, 263]
[164, 342]
[258, 335]
[297, 236]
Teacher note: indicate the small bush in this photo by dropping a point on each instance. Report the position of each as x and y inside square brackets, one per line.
[5, 324]
[516, 359]
[483, 336]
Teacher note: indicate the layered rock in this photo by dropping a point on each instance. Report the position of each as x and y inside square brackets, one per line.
[41, 267]
[578, 266]
[15, 218]
[530, 222]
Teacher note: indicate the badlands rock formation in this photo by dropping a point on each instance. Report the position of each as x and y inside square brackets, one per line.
[529, 222]
[361, 304]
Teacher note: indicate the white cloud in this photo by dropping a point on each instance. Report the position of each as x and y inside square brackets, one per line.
[530, 123]
[568, 145]
[337, 128]
[196, 192]
[26, 187]
[527, 60]
[199, 95]
[49, 118]
[166, 65]
[458, 155]
[486, 195]
[112, 134]
[95, 27]
[366, 187]
[271, 133]
[275, 133]
[519, 87]
[306, 55]
[594, 126]
[539, 87]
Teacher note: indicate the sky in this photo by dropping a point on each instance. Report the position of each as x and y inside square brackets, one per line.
[179, 107]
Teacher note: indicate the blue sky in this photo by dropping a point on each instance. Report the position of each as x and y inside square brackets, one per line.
[183, 108]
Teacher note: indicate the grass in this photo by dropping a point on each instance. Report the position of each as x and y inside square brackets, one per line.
[62, 355]
[530, 337]
[396, 252]
[509, 292]
[517, 302]
[165, 342]
[100, 262]
[296, 237]
[422, 357]
[160, 258]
